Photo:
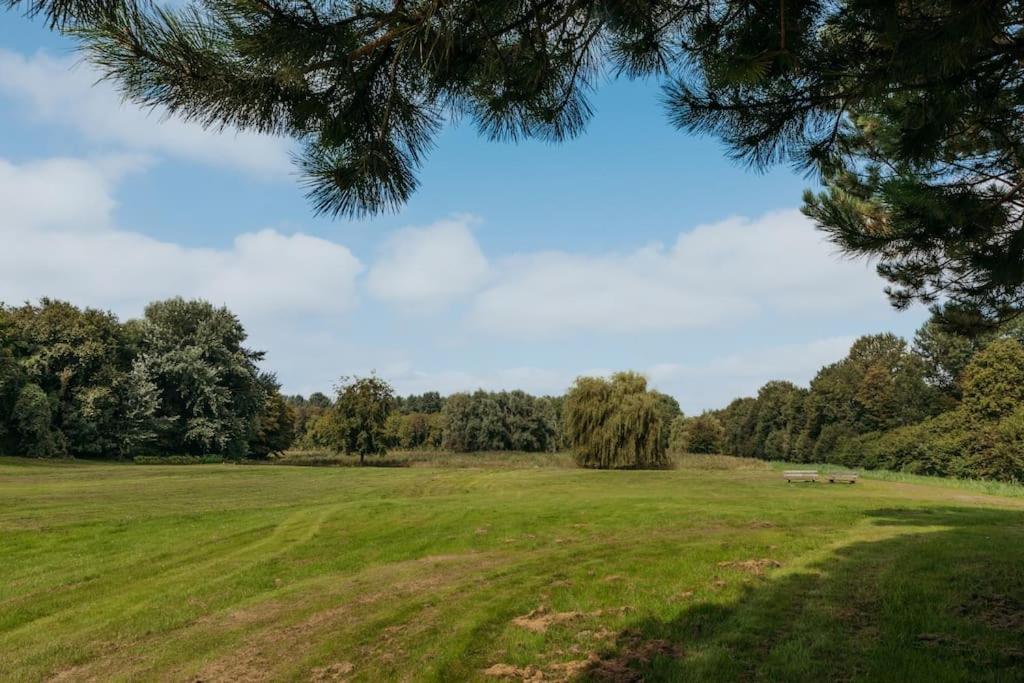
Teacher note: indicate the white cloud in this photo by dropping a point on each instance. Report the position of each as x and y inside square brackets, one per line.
[68, 92]
[715, 275]
[538, 381]
[713, 384]
[698, 386]
[292, 291]
[429, 266]
[60, 241]
[56, 193]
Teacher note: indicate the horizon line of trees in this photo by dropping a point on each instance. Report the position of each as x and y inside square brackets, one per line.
[481, 420]
[181, 381]
[947, 404]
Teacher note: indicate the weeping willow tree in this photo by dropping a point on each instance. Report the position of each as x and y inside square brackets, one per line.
[615, 424]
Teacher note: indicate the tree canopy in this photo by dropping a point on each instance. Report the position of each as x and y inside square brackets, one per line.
[615, 423]
[80, 382]
[358, 418]
[951, 405]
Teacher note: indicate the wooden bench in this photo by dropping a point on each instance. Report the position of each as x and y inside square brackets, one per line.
[842, 478]
[800, 475]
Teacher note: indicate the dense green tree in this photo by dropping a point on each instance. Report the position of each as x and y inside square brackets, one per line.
[993, 382]
[178, 380]
[274, 428]
[408, 430]
[499, 421]
[359, 416]
[879, 385]
[947, 343]
[945, 352]
[614, 423]
[473, 423]
[306, 412]
[210, 389]
[1002, 456]
[320, 431]
[319, 400]
[549, 420]
[393, 429]
[414, 430]
[437, 426]
[677, 436]
[778, 419]
[138, 401]
[530, 424]
[670, 410]
[704, 434]
[81, 360]
[33, 424]
[738, 421]
[12, 378]
[429, 402]
[877, 408]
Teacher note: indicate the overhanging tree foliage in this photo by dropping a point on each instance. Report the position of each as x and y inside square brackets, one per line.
[909, 111]
[616, 423]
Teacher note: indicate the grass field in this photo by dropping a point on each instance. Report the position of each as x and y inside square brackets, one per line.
[707, 572]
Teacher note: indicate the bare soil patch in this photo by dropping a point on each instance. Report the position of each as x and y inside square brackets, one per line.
[334, 672]
[1001, 612]
[755, 567]
[542, 618]
[635, 651]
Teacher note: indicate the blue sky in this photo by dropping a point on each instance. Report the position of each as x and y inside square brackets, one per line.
[514, 266]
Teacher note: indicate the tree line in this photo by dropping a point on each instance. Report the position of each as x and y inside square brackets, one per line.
[178, 380]
[946, 404]
[607, 423]
[463, 422]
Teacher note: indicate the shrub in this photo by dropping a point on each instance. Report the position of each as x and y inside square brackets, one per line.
[999, 453]
[827, 446]
[704, 434]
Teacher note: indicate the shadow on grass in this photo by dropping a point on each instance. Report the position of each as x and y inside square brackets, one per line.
[940, 600]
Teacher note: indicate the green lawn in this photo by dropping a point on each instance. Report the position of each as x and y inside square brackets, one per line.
[222, 572]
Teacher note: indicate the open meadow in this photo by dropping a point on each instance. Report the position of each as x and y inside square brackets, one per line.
[716, 570]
